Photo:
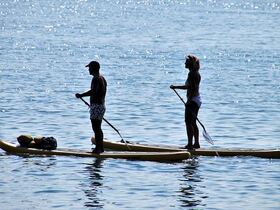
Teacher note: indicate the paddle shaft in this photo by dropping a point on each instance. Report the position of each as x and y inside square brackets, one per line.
[185, 105]
[104, 119]
[107, 123]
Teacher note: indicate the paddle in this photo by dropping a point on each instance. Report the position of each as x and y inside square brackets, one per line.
[122, 140]
[206, 136]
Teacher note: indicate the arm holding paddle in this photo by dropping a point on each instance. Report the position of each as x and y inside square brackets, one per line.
[97, 91]
[181, 87]
[85, 94]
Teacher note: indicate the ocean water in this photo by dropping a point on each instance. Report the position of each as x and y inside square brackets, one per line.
[141, 46]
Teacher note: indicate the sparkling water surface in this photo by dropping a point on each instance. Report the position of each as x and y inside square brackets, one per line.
[141, 45]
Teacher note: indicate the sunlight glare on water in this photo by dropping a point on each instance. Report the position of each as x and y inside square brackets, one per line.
[141, 46]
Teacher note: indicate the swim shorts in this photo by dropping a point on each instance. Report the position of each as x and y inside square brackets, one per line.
[97, 111]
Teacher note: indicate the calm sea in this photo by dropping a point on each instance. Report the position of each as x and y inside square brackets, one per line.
[141, 45]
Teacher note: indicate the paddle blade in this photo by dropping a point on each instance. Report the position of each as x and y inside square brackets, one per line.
[207, 137]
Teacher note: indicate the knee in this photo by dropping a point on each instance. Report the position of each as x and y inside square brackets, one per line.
[96, 129]
[189, 125]
[189, 121]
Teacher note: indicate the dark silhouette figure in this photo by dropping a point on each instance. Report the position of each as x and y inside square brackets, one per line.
[194, 101]
[97, 95]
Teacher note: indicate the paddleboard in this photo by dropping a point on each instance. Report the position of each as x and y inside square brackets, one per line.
[149, 156]
[120, 146]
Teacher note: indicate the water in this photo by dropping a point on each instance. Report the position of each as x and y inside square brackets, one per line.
[141, 46]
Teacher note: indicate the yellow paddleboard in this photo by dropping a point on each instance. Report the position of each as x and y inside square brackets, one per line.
[120, 146]
[150, 156]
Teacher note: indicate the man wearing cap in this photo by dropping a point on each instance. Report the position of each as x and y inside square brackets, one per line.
[97, 95]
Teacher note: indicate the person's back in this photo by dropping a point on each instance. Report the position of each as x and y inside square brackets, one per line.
[99, 87]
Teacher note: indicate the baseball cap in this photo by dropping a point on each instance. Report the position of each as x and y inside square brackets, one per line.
[93, 64]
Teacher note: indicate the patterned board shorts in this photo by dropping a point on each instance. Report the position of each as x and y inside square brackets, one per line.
[97, 111]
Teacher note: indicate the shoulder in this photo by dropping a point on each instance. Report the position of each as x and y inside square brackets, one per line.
[102, 77]
[100, 80]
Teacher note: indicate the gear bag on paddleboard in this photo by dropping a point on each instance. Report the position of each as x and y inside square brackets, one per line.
[48, 143]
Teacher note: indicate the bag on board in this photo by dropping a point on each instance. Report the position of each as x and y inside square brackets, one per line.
[48, 143]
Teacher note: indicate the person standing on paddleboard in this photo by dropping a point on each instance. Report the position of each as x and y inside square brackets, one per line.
[194, 101]
[97, 95]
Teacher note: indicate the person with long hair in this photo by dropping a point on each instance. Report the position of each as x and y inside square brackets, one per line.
[193, 100]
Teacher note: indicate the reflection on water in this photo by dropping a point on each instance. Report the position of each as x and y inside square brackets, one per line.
[43, 163]
[95, 186]
[189, 193]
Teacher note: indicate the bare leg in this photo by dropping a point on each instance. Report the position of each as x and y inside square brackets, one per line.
[196, 137]
[191, 112]
[190, 134]
[96, 127]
